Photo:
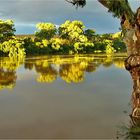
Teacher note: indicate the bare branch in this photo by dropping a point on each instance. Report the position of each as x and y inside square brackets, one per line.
[78, 3]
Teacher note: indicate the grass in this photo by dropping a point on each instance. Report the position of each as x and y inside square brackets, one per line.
[27, 35]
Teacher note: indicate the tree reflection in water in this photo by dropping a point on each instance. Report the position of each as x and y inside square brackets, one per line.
[119, 62]
[108, 61]
[46, 74]
[71, 69]
[8, 67]
[7, 78]
[72, 72]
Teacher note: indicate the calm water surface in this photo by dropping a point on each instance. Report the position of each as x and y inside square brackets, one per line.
[64, 97]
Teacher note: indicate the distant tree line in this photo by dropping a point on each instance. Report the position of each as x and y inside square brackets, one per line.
[69, 38]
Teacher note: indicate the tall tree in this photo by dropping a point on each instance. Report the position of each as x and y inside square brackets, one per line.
[130, 23]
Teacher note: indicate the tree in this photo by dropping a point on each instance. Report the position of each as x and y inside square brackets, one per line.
[130, 23]
[90, 33]
[71, 30]
[6, 30]
[45, 30]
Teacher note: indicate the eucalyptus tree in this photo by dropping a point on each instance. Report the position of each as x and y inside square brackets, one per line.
[130, 24]
[129, 20]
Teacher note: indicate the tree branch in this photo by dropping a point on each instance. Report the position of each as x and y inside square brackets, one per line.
[104, 3]
[81, 3]
[119, 8]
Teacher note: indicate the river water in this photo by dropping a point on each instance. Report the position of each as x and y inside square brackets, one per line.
[69, 97]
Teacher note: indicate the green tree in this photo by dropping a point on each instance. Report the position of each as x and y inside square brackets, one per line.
[6, 30]
[90, 33]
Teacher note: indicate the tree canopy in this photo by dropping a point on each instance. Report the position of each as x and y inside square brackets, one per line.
[120, 9]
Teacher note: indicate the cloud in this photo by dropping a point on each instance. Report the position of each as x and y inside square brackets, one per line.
[44, 10]
[30, 12]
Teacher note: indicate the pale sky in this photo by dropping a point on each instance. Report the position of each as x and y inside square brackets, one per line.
[26, 13]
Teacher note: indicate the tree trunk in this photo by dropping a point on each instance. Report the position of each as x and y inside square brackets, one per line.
[132, 63]
[135, 115]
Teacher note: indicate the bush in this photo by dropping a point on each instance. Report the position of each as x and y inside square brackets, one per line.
[13, 47]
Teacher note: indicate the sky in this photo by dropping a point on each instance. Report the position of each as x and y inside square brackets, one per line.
[27, 13]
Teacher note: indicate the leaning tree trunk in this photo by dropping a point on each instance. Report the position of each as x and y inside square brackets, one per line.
[132, 63]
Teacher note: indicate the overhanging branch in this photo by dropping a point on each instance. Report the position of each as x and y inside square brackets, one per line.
[104, 3]
[119, 8]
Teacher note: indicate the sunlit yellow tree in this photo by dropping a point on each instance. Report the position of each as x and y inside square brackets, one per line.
[45, 30]
[74, 31]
